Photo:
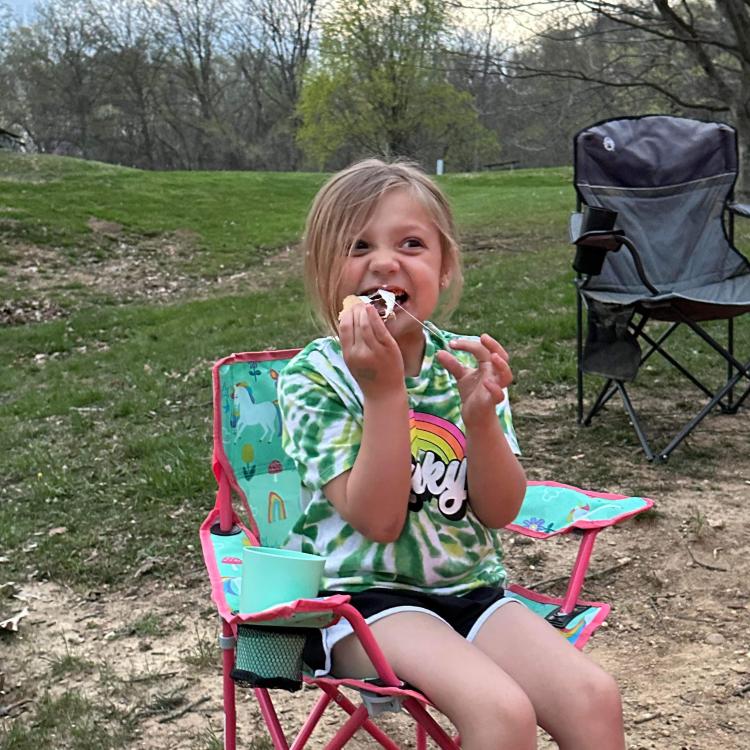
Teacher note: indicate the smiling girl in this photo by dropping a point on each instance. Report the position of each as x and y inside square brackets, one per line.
[403, 438]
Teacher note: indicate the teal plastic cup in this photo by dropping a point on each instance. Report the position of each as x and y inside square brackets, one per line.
[275, 576]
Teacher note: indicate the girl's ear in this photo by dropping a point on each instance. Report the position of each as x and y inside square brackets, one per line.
[445, 280]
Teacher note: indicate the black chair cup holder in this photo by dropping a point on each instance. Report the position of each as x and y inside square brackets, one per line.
[597, 237]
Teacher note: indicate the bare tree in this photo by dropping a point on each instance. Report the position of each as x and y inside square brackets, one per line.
[135, 57]
[194, 30]
[692, 53]
[272, 41]
[58, 82]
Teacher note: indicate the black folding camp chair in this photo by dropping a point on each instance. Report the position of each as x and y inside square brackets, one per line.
[654, 231]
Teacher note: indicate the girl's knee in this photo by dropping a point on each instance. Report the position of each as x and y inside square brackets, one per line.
[597, 695]
[505, 713]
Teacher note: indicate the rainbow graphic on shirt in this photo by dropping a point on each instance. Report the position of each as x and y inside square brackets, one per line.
[431, 433]
[438, 450]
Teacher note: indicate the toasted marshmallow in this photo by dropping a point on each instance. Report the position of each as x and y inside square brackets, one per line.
[389, 298]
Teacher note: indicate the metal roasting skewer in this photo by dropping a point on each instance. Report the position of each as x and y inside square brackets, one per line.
[413, 317]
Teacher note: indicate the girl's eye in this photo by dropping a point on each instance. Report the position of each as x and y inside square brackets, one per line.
[412, 243]
[359, 247]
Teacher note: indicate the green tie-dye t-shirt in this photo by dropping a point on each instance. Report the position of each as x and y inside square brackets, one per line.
[443, 547]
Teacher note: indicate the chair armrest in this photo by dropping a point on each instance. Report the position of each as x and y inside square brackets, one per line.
[593, 245]
[600, 239]
[574, 226]
[552, 508]
[314, 613]
[740, 209]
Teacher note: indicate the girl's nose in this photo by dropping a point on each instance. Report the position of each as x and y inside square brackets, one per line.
[384, 261]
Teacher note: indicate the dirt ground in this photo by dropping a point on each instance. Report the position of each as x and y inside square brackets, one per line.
[677, 640]
[124, 267]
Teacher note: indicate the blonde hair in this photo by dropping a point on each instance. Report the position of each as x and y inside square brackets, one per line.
[343, 207]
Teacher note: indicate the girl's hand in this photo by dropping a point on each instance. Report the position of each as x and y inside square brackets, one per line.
[370, 352]
[481, 388]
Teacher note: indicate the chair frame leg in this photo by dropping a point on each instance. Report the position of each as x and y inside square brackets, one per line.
[656, 346]
[730, 370]
[578, 576]
[436, 732]
[228, 690]
[367, 724]
[268, 712]
[312, 721]
[634, 420]
[723, 399]
[579, 354]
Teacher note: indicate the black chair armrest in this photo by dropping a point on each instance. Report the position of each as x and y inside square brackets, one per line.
[594, 234]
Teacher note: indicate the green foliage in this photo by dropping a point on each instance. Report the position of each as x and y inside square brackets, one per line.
[379, 89]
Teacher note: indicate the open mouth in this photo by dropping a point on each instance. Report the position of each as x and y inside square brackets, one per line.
[384, 300]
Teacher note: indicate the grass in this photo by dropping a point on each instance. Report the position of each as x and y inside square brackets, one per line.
[67, 664]
[150, 624]
[70, 720]
[50, 200]
[204, 653]
[105, 412]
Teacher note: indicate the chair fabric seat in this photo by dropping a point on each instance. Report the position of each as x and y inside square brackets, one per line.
[716, 301]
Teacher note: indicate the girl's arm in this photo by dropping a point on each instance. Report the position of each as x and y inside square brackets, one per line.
[496, 480]
[373, 497]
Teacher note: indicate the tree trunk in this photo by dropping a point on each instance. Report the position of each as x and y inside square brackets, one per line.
[742, 123]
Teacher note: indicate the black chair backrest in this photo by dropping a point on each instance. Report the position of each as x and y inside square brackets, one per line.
[669, 179]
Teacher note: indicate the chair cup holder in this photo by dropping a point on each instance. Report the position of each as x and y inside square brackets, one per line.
[269, 657]
[589, 258]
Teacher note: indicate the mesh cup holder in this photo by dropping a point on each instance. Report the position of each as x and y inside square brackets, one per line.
[269, 657]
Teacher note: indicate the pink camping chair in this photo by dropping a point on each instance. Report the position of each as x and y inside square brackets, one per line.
[263, 649]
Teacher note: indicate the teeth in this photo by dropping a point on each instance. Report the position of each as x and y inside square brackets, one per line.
[388, 298]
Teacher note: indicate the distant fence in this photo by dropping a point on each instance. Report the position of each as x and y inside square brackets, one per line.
[502, 165]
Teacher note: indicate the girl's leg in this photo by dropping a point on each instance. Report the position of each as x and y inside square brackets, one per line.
[487, 707]
[573, 698]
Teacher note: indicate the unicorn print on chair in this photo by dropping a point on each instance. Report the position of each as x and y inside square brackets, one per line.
[250, 413]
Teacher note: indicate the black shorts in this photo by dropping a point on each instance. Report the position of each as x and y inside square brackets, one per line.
[465, 613]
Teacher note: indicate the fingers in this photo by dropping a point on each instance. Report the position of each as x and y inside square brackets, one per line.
[346, 329]
[482, 348]
[486, 350]
[451, 364]
[495, 390]
[493, 346]
[492, 363]
[377, 326]
[362, 327]
[502, 370]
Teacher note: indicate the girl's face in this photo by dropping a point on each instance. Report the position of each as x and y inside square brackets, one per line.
[400, 250]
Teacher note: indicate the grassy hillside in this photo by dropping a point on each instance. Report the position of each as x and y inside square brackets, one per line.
[233, 213]
[105, 401]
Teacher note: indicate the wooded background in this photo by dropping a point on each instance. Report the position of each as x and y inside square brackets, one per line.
[312, 84]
